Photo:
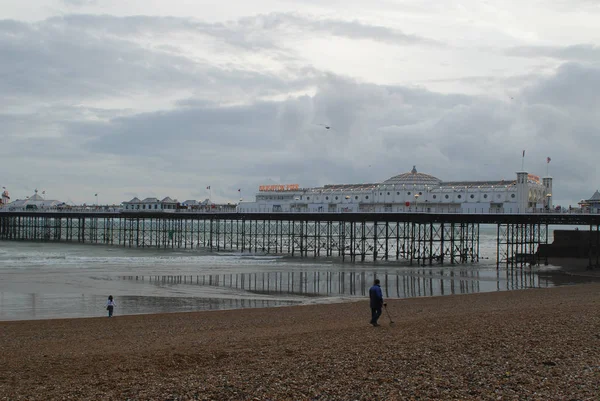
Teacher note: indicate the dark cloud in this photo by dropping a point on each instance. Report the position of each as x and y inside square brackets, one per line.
[574, 87]
[377, 131]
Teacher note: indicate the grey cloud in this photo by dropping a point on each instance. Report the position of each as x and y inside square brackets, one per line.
[80, 3]
[581, 52]
[160, 132]
[93, 57]
[349, 29]
[53, 61]
[226, 135]
[250, 33]
[64, 58]
[378, 131]
[574, 87]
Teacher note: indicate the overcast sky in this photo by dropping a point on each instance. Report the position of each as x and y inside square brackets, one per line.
[164, 98]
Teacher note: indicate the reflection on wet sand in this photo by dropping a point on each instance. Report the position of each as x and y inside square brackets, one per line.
[47, 306]
[396, 284]
[266, 289]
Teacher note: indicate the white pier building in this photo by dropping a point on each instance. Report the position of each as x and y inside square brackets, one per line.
[410, 192]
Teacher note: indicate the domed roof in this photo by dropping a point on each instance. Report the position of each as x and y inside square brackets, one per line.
[412, 178]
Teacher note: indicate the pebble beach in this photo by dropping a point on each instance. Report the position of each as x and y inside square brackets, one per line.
[539, 344]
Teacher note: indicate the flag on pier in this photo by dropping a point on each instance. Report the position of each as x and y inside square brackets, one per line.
[548, 159]
[208, 187]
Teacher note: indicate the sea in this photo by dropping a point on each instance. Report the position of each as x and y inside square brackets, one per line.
[65, 280]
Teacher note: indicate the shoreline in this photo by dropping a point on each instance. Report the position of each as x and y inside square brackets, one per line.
[561, 272]
[571, 268]
[540, 343]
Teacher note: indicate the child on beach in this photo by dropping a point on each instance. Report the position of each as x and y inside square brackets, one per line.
[110, 305]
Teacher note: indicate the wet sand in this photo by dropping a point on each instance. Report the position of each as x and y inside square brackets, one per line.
[530, 344]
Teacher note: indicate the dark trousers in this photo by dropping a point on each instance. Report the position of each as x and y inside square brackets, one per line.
[110, 310]
[375, 313]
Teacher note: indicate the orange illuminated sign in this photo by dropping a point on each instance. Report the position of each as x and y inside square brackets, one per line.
[285, 187]
[534, 178]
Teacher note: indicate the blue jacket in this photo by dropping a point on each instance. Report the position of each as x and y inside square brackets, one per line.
[376, 296]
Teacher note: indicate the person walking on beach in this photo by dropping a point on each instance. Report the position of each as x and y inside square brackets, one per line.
[110, 305]
[376, 297]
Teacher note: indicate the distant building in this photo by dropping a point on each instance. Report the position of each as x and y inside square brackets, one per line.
[34, 202]
[5, 198]
[190, 204]
[151, 204]
[591, 205]
[410, 192]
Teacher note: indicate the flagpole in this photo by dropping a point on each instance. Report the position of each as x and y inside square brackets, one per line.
[523, 161]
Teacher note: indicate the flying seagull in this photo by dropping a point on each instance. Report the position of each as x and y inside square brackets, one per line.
[325, 126]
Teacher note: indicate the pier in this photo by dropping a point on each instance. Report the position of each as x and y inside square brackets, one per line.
[421, 239]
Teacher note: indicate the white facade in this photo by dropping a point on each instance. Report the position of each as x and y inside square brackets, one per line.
[411, 192]
[151, 204]
[33, 202]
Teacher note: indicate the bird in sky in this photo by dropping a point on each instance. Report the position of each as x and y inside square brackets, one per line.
[325, 126]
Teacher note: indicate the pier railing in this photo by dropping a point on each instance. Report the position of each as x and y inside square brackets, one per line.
[468, 211]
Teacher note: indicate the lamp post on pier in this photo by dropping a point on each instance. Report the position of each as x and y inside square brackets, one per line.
[417, 202]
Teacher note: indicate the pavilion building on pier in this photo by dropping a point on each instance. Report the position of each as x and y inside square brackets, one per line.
[410, 192]
[591, 205]
[33, 202]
